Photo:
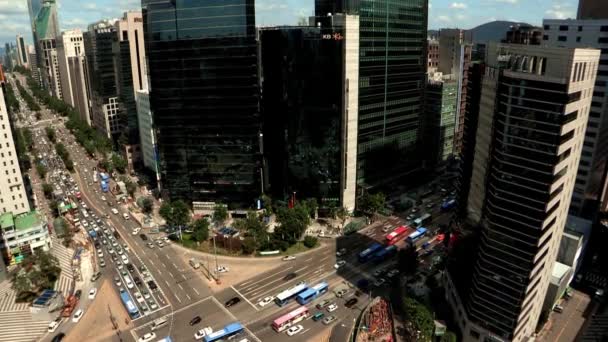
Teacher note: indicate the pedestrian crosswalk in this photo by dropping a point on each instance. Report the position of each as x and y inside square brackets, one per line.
[7, 299]
[20, 327]
[64, 283]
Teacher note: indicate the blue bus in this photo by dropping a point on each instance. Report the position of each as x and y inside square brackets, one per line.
[312, 293]
[447, 205]
[385, 253]
[367, 254]
[284, 297]
[230, 330]
[417, 235]
[128, 303]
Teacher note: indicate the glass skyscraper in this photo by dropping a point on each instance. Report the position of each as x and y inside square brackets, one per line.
[204, 98]
[392, 74]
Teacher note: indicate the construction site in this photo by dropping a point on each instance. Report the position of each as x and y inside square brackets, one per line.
[375, 323]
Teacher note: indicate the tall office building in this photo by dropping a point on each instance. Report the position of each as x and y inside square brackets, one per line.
[23, 57]
[591, 184]
[12, 189]
[441, 106]
[147, 137]
[74, 72]
[592, 9]
[34, 6]
[105, 104]
[130, 61]
[45, 31]
[306, 86]
[392, 79]
[204, 99]
[33, 58]
[533, 112]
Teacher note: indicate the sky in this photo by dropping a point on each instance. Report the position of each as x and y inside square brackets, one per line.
[14, 17]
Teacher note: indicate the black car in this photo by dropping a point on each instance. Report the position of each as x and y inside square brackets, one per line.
[116, 235]
[143, 237]
[351, 302]
[130, 268]
[137, 280]
[232, 301]
[152, 285]
[58, 337]
[290, 276]
[78, 293]
[195, 320]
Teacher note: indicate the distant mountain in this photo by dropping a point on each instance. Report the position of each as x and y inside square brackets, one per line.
[492, 31]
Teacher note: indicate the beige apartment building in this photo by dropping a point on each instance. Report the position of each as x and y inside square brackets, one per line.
[533, 114]
[73, 72]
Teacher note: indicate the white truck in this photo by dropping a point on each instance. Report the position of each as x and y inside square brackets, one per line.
[95, 176]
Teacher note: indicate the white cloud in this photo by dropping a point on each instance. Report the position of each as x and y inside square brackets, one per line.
[458, 5]
[444, 18]
[269, 6]
[461, 17]
[560, 11]
[508, 1]
[90, 6]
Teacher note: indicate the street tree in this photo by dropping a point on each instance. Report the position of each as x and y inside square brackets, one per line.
[200, 230]
[420, 317]
[41, 170]
[50, 133]
[310, 241]
[47, 189]
[120, 164]
[220, 214]
[131, 187]
[181, 213]
[371, 204]
[21, 283]
[293, 223]
[249, 245]
[165, 211]
[342, 214]
[147, 205]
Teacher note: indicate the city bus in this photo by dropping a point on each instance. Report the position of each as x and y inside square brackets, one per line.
[284, 297]
[367, 254]
[290, 319]
[417, 235]
[312, 293]
[128, 303]
[394, 236]
[422, 220]
[385, 253]
[228, 331]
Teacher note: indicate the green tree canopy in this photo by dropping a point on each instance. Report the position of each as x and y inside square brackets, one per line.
[310, 241]
[420, 317]
[371, 204]
[293, 222]
[200, 230]
[47, 189]
[147, 205]
[120, 164]
[50, 133]
[248, 245]
[175, 213]
[220, 214]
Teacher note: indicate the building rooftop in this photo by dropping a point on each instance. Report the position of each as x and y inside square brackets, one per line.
[6, 220]
[559, 271]
[28, 220]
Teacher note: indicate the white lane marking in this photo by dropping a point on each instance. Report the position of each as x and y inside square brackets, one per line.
[188, 296]
[151, 262]
[327, 257]
[198, 294]
[183, 276]
[304, 332]
[245, 298]
[179, 300]
[180, 286]
[174, 265]
[168, 283]
[307, 260]
[270, 276]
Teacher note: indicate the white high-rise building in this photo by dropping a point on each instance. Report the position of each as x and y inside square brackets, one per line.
[533, 113]
[23, 57]
[12, 190]
[594, 160]
[73, 72]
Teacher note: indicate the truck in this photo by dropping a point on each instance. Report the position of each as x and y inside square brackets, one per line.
[95, 176]
[194, 263]
[70, 305]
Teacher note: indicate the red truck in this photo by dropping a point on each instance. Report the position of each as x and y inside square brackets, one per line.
[69, 306]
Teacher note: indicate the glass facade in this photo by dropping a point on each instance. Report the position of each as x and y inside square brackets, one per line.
[202, 59]
[392, 78]
[441, 99]
[302, 109]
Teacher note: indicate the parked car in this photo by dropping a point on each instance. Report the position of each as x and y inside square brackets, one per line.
[232, 301]
[351, 302]
[195, 320]
[294, 330]
[289, 257]
[290, 276]
[265, 301]
[143, 237]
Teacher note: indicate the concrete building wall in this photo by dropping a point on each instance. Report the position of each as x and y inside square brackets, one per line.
[591, 184]
[131, 28]
[80, 89]
[22, 52]
[69, 44]
[351, 108]
[12, 190]
[592, 9]
[146, 130]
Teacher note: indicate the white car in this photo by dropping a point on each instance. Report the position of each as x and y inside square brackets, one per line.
[136, 231]
[222, 269]
[202, 333]
[103, 198]
[339, 264]
[129, 282]
[332, 308]
[294, 330]
[147, 337]
[266, 301]
[92, 293]
[55, 324]
[289, 257]
[77, 316]
[125, 260]
[139, 297]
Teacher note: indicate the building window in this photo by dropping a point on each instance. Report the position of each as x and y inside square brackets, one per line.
[603, 28]
[547, 27]
[580, 29]
[562, 38]
[578, 39]
[602, 40]
[545, 37]
[563, 27]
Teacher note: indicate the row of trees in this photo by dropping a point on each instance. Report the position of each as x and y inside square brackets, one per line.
[29, 100]
[63, 153]
[11, 99]
[23, 144]
[50, 133]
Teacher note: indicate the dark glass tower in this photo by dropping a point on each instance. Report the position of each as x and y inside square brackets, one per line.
[302, 112]
[202, 59]
[392, 78]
